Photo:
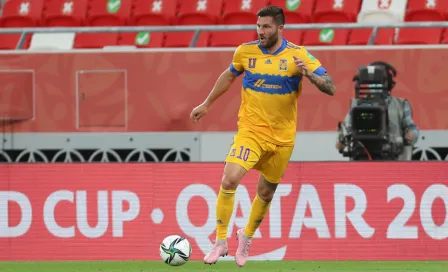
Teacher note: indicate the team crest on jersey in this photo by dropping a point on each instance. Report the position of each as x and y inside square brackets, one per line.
[252, 62]
[283, 65]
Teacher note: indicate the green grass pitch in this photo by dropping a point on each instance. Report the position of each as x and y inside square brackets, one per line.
[252, 266]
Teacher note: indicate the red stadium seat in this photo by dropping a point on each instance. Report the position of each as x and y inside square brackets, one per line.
[294, 36]
[228, 38]
[238, 12]
[183, 39]
[241, 11]
[153, 12]
[445, 37]
[326, 37]
[109, 13]
[300, 12]
[9, 41]
[199, 12]
[384, 36]
[65, 13]
[336, 11]
[95, 40]
[424, 10]
[22, 13]
[194, 12]
[419, 36]
[142, 39]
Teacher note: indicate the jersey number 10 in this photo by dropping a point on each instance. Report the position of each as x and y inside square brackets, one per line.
[243, 154]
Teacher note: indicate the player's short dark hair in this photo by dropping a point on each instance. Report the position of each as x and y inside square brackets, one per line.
[273, 11]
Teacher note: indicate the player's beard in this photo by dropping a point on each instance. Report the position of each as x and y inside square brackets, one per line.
[271, 41]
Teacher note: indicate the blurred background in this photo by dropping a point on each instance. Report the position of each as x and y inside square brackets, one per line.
[77, 101]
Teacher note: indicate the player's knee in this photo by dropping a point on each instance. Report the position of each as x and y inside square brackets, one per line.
[265, 194]
[233, 173]
[266, 189]
[230, 181]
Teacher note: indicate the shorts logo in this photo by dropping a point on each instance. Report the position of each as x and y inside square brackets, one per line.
[283, 65]
[252, 62]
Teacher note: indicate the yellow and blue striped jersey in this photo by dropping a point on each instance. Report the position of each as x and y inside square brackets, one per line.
[271, 87]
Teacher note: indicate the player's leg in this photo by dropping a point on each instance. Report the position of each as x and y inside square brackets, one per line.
[260, 205]
[243, 155]
[233, 173]
[271, 173]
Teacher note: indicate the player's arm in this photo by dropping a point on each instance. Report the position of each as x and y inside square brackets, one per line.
[226, 79]
[223, 84]
[310, 67]
[324, 83]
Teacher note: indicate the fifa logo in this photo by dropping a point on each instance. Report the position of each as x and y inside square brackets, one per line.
[252, 62]
[283, 65]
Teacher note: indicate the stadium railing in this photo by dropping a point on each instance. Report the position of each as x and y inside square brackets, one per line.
[197, 29]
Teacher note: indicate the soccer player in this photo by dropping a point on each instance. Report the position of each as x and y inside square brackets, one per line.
[273, 73]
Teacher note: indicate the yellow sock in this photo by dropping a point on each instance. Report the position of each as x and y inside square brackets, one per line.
[224, 210]
[257, 213]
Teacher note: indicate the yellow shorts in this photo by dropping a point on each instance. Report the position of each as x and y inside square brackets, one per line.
[251, 151]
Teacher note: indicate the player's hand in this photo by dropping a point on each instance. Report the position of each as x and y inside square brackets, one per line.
[198, 112]
[301, 66]
[409, 136]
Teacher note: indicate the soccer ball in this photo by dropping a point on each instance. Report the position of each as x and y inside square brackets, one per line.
[175, 250]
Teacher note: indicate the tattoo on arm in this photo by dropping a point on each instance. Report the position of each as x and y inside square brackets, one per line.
[324, 83]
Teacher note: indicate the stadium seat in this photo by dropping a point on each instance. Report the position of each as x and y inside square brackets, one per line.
[384, 36]
[419, 36]
[326, 37]
[95, 40]
[237, 12]
[241, 11]
[424, 10]
[229, 38]
[153, 12]
[294, 36]
[296, 12]
[382, 11]
[9, 41]
[199, 12]
[52, 41]
[445, 37]
[109, 13]
[22, 13]
[142, 39]
[183, 39]
[336, 11]
[194, 12]
[331, 11]
[65, 13]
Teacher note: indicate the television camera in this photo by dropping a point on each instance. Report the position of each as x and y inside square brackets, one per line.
[367, 137]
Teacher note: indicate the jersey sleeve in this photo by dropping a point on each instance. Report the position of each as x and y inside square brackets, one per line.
[236, 67]
[312, 63]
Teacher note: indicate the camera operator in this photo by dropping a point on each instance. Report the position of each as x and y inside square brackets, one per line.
[399, 132]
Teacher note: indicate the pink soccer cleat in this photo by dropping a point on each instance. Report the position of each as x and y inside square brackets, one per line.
[242, 253]
[220, 249]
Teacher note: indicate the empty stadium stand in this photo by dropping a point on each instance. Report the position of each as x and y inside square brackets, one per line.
[78, 13]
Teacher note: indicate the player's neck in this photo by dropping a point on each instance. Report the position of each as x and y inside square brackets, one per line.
[274, 48]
